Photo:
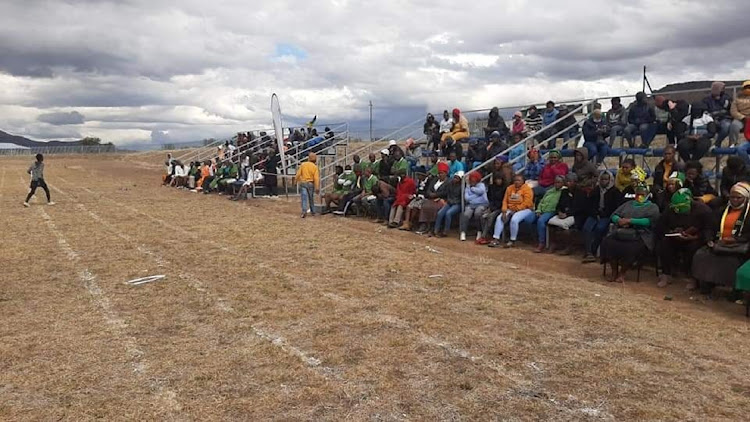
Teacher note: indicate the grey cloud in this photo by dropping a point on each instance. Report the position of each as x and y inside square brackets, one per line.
[62, 118]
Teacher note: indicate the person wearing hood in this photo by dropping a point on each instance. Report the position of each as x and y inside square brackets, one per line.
[519, 125]
[451, 193]
[699, 127]
[459, 131]
[475, 196]
[595, 132]
[734, 172]
[604, 200]
[545, 210]
[633, 236]
[617, 119]
[477, 153]
[431, 132]
[496, 146]
[740, 111]
[718, 105]
[405, 191]
[641, 121]
[725, 252]
[495, 122]
[683, 229]
[533, 120]
[518, 206]
[584, 169]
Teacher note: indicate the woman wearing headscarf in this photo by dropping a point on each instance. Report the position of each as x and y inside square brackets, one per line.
[675, 182]
[431, 131]
[519, 125]
[433, 199]
[459, 131]
[637, 176]
[476, 203]
[683, 229]
[717, 263]
[632, 236]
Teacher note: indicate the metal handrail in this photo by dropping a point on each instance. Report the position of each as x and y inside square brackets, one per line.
[198, 151]
[300, 155]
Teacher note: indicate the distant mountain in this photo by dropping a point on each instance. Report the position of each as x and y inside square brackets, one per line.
[7, 138]
[691, 97]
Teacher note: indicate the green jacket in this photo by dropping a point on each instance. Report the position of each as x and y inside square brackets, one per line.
[549, 201]
[375, 167]
[401, 164]
[367, 184]
[433, 171]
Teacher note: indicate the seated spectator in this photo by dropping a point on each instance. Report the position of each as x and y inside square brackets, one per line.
[451, 193]
[383, 165]
[617, 120]
[371, 163]
[664, 169]
[180, 178]
[477, 153]
[501, 179]
[366, 199]
[342, 183]
[424, 183]
[413, 154]
[459, 131]
[603, 201]
[405, 191]
[675, 182]
[584, 169]
[632, 238]
[734, 172]
[399, 162]
[434, 199]
[545, 210]
[517, 154]
[271, 167]
[392, 148]
[193, 174]
[534, 165]
[533, 120]
[676, 111]
[717, 262]
[446, 125]
[641, 121]
[431, 132]
[623, 177]
[228, 176]
[385, 194]
[519, 125]
[496, 146]
[204, 175]
[495, 123]
[683, 229]
[254, 178]
[698, 183]
[637, 176]
[356, 190]
[699, 127]
[595, 132]
[718, 105]
[572, 210]
[740, 111]
[357, 161]
[433, 171]
[549, 116]
[476, 204]
[518, 206]
[554, 167]
[455, 165]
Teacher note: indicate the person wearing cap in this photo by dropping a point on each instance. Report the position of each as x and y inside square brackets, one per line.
[384, 164]
[452, 196]
[683, 229]
[633, 237]
[434, 201]
[518, 206]
[455, 165]
[545, 210]
[496, 146]
[393, 147]
[718, 104]
[519, 125]
[533, 120]
[308, 180]
[476, 202]
[725, 252]
[740, 111]
[459, 131]
[641, 121]
[617, 119]
[495, 123]
[595, 132]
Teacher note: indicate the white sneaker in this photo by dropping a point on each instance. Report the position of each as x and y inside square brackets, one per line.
[463, 236]
[479, 235]
[50, 203]
[26, 204]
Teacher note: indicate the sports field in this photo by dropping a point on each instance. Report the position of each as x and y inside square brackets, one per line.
[263, 315]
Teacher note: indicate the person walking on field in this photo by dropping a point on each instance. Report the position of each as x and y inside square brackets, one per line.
[308, 178]
[37, 180]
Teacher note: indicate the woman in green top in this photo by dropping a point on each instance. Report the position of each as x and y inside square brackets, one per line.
[632, 236]
[546, 210]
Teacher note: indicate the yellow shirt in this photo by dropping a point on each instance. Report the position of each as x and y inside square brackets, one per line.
[308, 172]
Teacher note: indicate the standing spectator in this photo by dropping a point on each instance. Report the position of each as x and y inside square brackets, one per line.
[431, 132]
[740, 111]
[495, 122]
[595, 132]
[617, 119]
[519, 125]
[641, 121]
[308, 178]
[533, 120]
[36, 171]
[271, 168]
[718, 104]
[476, 203]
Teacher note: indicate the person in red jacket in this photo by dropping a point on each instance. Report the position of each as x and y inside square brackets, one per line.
[405, 191]
[554, 167]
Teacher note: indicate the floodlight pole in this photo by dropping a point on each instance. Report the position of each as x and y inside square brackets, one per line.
[370, 121]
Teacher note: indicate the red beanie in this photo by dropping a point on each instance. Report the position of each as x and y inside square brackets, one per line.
[475, 177]
[443, 167]
[456, 112]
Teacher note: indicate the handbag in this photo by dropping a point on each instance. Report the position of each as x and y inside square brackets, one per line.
[627, 234]
[721, 248]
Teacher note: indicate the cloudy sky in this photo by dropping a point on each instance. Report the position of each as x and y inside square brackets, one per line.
[140, 71]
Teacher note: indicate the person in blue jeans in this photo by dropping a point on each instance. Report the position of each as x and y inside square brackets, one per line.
[641, 121]
[546, 210]
[605, 199]
[595, 130]
[743, 152]
[451, 193]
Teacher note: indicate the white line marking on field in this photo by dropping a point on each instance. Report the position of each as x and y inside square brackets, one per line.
[144, 280]
[117, 324]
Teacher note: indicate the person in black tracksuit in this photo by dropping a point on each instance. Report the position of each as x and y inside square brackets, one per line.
[37, 180]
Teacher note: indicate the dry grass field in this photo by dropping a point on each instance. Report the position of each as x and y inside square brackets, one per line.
[266, 316]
